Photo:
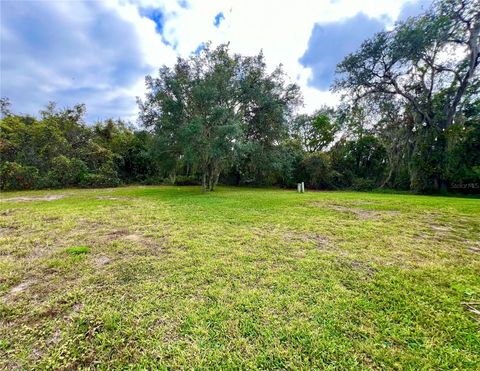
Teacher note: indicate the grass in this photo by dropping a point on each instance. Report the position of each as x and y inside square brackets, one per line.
[167, 277]
[77, 250]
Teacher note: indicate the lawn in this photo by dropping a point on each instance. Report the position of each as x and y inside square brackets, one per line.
[168, 277]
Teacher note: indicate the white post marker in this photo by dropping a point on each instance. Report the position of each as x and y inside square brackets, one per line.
[303, 187]
[299, 188]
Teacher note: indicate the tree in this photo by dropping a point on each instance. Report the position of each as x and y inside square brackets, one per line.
[193, 111]
[358, 163]
[267, 102]
[316, 131]
[5, 107]
[212, 106]
[317, 170]
[427, 64]
[463, 152]
[58, 149]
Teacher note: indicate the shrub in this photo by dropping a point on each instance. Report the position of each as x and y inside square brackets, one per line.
[106, 177]
[153, 180]
[99, 181]
[183, 180]
[362, 184]
[66, 172]
[14, 176]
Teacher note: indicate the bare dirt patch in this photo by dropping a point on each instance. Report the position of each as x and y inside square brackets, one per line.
[111, 198]
[19, 289]
[33, 198]
[134, 237]
[322, 241]
[55, 338]
[365, 202]
[313, 239]
[101, 261]
[93, 226]
[51, 218]
[440, 228]
[475, 249]
[7, 212]
[144, 240]
[113, 235]
[142, 245]
[363, 267]
[4, 230]
[361, 213]
[440, 232]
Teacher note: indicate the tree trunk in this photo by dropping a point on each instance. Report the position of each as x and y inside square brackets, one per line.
[210, 181]
[216, 179]
[436, 184]
[173, 177]
[204, 181]
[390, 173]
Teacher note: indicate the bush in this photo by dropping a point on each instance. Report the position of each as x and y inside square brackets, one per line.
[153, 180]
[99, 181]
[106, 177]
[14, 176]
[363, 158]
[66, 172]
[362, 184]
[183, 180]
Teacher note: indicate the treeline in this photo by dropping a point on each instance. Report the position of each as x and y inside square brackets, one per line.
[58, 149]
[409, 119]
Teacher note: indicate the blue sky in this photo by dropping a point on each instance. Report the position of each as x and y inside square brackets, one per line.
[98, 52]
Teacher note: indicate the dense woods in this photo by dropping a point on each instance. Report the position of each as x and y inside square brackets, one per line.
[409, 119]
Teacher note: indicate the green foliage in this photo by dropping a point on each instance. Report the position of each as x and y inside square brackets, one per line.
[427, 160]
[66, 172]
[215, 110]
[286, 164]
[105, 177]
[317, 131]
[17, 176]
[364, 158]
[419, 77]
[410, 120]
[318, 170]
[198, 125]
[185, 180]
[59, 150]
[463, 151]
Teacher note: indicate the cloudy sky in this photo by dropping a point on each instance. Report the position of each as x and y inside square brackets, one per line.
[98, 52]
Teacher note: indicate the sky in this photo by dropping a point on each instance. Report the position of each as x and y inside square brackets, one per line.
[99, 52]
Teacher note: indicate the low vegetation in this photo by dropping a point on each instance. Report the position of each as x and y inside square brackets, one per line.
[169, 277]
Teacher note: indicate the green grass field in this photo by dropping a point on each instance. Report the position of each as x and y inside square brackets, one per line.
[167, 277]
